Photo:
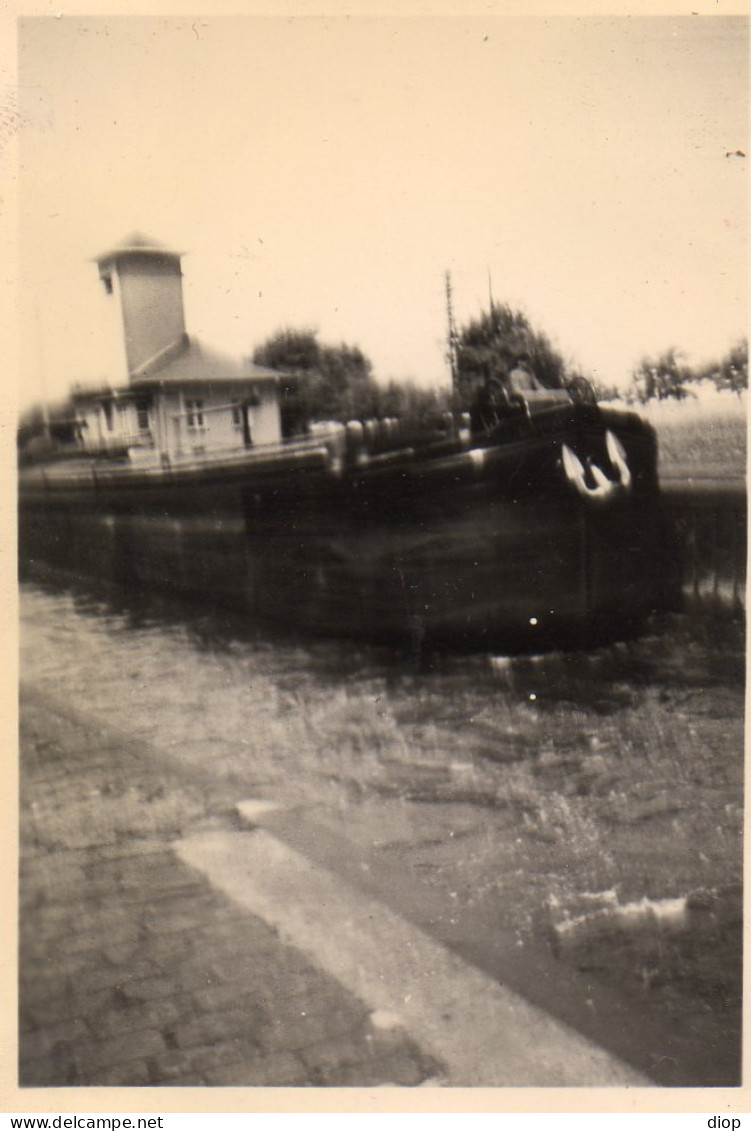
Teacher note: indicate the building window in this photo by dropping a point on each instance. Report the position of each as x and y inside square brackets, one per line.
[142, 415]
[194, 413]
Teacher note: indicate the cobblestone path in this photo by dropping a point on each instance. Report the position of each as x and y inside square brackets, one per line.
[132, 969]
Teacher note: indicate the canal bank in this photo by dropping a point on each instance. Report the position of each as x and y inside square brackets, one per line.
[141, 966]
[134, 970]
[578, 815]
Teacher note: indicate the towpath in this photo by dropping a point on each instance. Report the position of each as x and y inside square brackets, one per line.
[167, 940]
[134, 970]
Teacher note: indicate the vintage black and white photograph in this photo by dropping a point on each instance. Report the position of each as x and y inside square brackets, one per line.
[381, 454]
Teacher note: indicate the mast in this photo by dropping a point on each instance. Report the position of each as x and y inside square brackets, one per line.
[452, 341]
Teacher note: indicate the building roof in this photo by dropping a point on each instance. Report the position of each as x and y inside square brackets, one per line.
[189, 362]
[186, 363]
[137, 242]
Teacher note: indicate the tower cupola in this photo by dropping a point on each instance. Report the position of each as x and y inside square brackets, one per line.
[146, 277]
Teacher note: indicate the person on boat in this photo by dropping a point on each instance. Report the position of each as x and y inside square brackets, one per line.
[522, 379]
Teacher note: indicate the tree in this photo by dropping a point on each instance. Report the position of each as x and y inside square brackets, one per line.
[490, 345]
[347, 388]
[661, 378]
[415, 406]
[32, 422]
[327, 382]
[45, 430]
[293, 351]
[603, 392]
[732, 371]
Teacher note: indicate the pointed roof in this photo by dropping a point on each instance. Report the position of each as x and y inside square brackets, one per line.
[137, 243]
[189, 362]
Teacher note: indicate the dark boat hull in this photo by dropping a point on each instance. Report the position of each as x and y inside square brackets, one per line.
[483, 544]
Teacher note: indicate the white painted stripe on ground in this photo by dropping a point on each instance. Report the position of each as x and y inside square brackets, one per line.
[484, 1034]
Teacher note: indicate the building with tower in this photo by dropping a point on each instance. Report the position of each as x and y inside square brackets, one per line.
[173, 396]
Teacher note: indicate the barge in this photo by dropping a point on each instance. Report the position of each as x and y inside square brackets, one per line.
[543, 530]
[539, 527]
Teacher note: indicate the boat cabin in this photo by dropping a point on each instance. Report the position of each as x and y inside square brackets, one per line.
[196, 402]
[179, 398]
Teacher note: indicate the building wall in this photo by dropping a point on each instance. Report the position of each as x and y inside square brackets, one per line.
[110, 317]
[151, 296]
[214, 426]
[180, 421]
[118, 428]
[266, 418]
[90, 422]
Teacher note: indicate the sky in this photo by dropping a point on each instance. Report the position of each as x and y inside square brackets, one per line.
[326, 173]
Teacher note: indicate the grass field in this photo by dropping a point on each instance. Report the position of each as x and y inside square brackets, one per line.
[709, 436]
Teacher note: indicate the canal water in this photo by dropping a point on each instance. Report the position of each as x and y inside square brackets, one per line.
[571, 821]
